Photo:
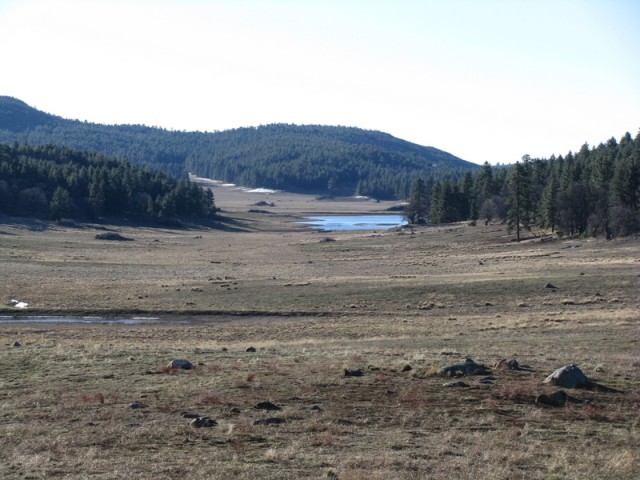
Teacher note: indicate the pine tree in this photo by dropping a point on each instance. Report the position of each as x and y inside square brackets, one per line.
[437, 212]
[626, 182]
[548, 213]
[518, 215]
[484, 182]
[60, 204]
[416, 211]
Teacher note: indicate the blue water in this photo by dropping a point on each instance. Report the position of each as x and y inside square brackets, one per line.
[354, 222]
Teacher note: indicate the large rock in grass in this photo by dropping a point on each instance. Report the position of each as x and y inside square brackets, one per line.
[180, 363]
[569, 376]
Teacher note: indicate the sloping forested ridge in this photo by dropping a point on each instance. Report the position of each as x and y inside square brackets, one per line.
[595, 191]
[322, 159]
[310, 159]
[58, 182]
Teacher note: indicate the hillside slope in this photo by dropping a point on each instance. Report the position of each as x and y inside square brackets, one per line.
[310, 158]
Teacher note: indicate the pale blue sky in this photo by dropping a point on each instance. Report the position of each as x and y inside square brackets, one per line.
[483, 79]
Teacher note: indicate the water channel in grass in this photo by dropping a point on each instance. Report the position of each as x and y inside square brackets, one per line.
[71, 319]
[354, 222]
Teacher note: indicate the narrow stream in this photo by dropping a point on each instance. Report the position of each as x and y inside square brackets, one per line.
[71, 319]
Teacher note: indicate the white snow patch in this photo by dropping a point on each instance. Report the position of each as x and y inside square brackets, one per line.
[19, 304]
[260, 190]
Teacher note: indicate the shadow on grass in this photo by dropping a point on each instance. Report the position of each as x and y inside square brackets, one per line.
[222, 223]
[29, 223]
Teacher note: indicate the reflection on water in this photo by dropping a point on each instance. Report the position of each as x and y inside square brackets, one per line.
[354, 222]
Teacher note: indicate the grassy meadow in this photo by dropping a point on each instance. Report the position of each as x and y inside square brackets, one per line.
[393, 305]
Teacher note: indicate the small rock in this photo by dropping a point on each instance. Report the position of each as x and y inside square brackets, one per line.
[469, 367]
[549, 285]
[343, 421]
[16, 344]
[250, 350]
[505, 364]
[190, 415]
[270, 421]
[137, 405]
[267, 406]
[458, 384]
[203, 422]
[112, 236]
[556, 399]
[181, 364]
[407, 368]
[353, 373]
[316, 408]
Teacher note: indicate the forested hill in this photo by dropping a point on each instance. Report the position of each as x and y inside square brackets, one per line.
[323, 159]
[311, 159]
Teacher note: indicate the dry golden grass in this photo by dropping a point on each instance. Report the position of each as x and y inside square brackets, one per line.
[372, 301]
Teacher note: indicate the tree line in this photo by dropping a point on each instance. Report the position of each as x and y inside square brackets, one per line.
[595, 191]
[59, 182]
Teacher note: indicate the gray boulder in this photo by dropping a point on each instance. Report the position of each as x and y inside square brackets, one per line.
[569, 376]
[180, 363]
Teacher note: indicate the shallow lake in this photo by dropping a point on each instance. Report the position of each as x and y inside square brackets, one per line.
[354, 222]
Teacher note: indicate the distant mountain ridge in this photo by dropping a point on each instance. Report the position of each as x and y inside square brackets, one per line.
[305, 158]
[16, 116]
